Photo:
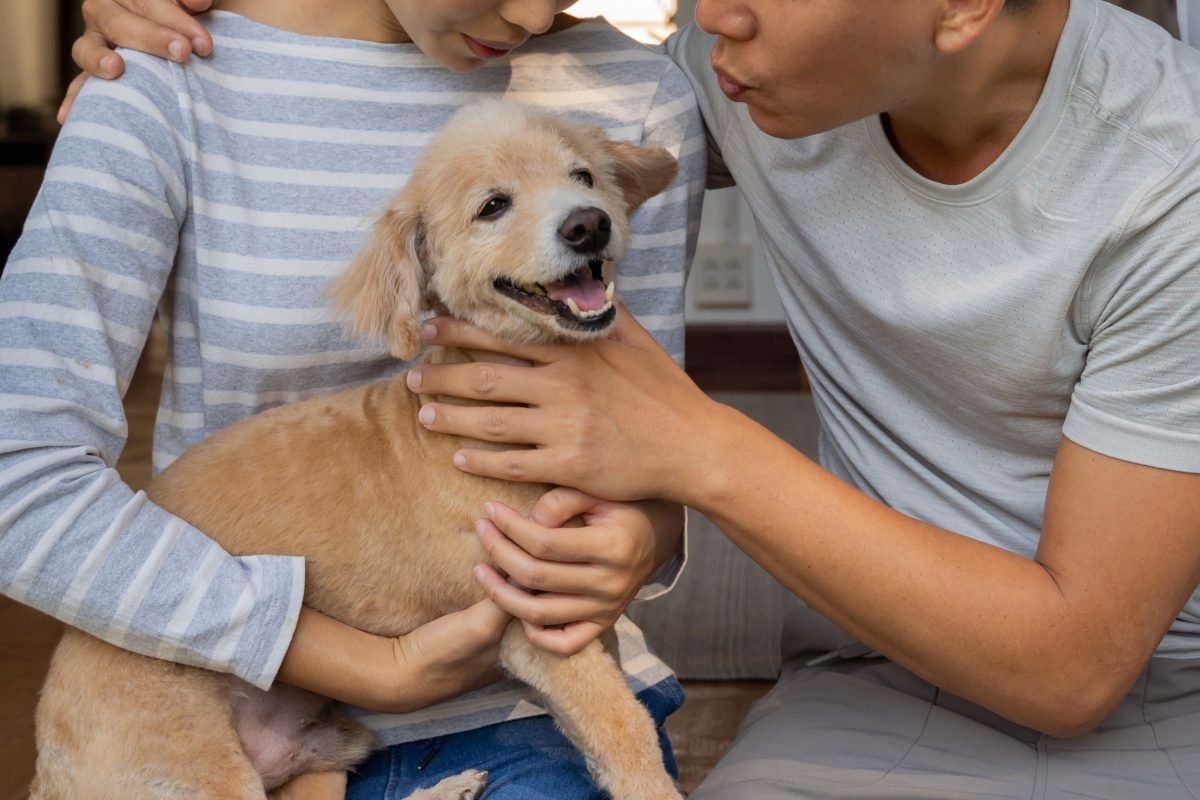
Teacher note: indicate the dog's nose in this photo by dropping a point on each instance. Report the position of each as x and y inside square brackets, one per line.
[586, 230]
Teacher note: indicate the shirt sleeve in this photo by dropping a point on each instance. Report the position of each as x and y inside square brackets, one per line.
[1138, 398]
[76, 302]
[690, 49]
[654, 270]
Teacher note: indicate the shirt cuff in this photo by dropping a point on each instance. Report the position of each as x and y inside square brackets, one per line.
[665, 577]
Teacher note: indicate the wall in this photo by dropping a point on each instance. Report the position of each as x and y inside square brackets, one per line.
[28, 53]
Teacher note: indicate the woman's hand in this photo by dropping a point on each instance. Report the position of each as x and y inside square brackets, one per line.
[616, 418]
[163, 28]
[568, 585]
[436, 661]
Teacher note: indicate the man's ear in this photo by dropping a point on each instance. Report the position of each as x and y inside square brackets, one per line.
[641, 172]
[382, 293]
[961, 22]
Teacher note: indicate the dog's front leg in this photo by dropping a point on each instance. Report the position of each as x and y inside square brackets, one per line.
[593, 705]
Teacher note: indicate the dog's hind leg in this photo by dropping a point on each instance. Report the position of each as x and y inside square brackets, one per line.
[593, 705]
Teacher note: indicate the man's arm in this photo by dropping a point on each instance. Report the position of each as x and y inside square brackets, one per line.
[1051, 642]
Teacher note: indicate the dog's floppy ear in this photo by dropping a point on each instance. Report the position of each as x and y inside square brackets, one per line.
[641, 172]
[382, 293]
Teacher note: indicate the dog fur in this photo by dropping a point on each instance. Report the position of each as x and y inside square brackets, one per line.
[370, 499]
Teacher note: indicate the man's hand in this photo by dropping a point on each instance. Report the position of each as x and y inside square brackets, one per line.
[568, 585]
[163, 28]
[616, 418]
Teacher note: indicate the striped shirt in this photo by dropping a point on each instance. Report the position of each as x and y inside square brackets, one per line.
[225, 194]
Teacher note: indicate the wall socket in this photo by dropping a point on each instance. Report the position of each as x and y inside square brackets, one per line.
[721, 276]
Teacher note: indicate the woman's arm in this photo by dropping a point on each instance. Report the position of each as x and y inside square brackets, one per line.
[76, 302]
[439, 660]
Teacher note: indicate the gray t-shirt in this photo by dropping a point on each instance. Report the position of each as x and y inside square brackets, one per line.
[953, 334]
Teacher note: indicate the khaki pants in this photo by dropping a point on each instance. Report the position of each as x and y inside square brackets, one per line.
[867, 729]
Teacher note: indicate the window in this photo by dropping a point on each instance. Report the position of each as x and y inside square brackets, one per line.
[648, 21]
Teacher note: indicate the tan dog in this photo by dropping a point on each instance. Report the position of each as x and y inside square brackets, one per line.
[509, 220]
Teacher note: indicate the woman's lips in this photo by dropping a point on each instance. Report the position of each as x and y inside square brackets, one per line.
[488, 50]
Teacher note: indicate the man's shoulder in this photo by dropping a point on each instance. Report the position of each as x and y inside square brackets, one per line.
[1141, 83]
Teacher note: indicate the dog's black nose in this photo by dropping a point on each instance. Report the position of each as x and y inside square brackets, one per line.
[586, 230]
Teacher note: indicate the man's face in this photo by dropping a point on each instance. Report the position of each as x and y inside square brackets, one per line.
[807, 66]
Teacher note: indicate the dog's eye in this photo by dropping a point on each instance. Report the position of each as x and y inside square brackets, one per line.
[494, 207]
[584, 177]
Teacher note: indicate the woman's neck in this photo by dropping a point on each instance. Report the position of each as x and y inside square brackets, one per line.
[365, 20]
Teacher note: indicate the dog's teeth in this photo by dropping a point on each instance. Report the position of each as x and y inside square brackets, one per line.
[609, 290]
[571, 304]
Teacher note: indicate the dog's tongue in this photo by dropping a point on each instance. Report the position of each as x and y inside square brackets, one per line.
[586, 291]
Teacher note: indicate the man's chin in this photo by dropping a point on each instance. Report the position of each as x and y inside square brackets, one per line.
[786, 126]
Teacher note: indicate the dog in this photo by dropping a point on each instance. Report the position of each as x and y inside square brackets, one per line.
[512, 219]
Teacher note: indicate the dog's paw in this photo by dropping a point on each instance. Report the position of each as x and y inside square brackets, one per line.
[464, 786]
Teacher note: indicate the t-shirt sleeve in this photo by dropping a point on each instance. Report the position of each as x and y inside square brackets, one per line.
[76, 302]
[690, 49]
[1138, 398]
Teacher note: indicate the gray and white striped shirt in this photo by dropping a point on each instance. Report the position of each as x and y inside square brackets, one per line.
[225, 193]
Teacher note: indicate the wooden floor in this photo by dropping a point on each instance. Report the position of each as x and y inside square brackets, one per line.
[700, 731]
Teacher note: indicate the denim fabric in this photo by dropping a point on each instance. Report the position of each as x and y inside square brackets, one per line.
[526, 759]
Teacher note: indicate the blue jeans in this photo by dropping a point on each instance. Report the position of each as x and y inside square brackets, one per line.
[526, 759]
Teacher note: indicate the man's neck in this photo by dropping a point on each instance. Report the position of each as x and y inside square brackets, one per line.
[981, 97]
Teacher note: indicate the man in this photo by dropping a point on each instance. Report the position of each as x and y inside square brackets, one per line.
[981, 218]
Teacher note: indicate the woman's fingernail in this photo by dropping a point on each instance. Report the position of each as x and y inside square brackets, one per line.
[480, 526]
[428, 332]
[460, 461]
[490, 510]
[478, 573]
[108, 63]
[414, 379]
[197, 45]
[175, 48]
[427, 415]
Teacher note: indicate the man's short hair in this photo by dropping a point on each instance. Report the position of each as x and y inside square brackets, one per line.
[1017, 6]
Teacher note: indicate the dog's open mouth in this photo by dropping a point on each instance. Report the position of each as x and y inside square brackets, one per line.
[580, 301]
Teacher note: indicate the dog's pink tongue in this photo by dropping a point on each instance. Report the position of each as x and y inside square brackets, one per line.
[587, 292]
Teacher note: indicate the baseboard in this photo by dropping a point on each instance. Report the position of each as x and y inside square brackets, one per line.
[744, 358]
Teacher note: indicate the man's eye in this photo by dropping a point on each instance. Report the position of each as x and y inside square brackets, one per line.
[494, 207]
[584, 177]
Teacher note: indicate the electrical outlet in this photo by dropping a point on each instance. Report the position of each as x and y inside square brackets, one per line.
[721, 275]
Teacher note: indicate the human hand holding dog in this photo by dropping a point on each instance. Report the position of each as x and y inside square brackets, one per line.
[434, 662]
[615, 418]
[568, 585]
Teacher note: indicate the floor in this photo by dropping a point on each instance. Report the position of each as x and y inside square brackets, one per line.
[701, 730]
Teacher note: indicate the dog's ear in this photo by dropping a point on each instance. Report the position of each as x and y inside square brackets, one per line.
[382, 293]
[641, 172]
